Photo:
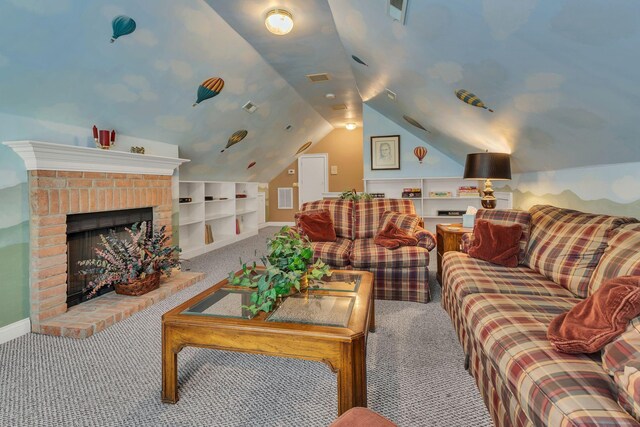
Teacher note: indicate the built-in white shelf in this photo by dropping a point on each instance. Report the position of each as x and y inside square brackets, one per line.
[426, 206]
[223, 217]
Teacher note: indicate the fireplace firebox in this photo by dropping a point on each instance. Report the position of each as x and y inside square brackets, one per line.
[83, 235]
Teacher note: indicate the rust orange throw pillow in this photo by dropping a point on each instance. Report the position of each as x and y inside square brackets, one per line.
[392, 237]
[317, 225]
[498, 244]
[596, 321]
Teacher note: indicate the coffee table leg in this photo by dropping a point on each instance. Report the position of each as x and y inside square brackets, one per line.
[372, 322]
[169, 368]
[352, 376]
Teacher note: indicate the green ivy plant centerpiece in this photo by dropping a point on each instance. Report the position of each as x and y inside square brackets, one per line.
[288, 265]
[133, 265]
[353, 195]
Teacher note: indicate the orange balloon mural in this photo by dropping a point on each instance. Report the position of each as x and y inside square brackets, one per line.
[420, 152]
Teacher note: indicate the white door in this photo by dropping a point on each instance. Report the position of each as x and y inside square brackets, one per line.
[312, 177]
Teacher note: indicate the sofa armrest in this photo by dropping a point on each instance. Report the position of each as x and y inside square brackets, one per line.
[426, 239]
[465, 242]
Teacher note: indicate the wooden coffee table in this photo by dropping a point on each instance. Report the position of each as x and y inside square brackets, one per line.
[328, 324]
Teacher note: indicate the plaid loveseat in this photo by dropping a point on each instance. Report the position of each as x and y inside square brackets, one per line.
[400, 274]
[501, 316]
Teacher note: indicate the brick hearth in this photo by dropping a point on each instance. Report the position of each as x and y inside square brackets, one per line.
[53, 196]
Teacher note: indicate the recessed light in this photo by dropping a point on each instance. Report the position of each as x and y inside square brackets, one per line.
[249, 107]
[350, 126]
[330, 96]
[279, 22]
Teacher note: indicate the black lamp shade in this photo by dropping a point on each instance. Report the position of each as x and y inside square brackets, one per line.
[494, 166]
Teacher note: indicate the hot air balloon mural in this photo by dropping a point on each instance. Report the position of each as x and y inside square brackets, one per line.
[209, 88]
[415, 123]
[252, 164]
[235, 138]
[359, 61]
[420, 152]
[471, 99]
[303, 147]
[122, 25]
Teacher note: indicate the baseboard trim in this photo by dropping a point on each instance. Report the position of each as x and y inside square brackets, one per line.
[15, 330]
[279, 224]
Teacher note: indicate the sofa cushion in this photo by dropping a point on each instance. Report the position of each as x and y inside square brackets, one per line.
[316, 225]
[621, 257]
[566, 245]
[495, 243]
[621, 359]
[366, 253]
[404, 221]
[552, 388]
[369, 212]
[599, 319]
[509, 217]
[341, 214]
[466, 275]
[336, 254]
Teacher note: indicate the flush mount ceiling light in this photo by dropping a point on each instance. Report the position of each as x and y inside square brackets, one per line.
[279, 22]
[350, 126]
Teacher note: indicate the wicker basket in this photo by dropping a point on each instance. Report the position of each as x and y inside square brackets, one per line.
[140, 286]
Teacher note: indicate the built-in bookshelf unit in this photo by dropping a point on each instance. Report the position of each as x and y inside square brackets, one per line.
[219, 213]
[436, 198]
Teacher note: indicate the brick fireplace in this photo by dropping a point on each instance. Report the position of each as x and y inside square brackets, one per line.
[68, 180]
[56, 194]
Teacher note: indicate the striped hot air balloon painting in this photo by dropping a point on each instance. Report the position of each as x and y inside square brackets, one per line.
[209, 88]
[303, 147]
[122, 25]
[235, 138]
[471, 99]
[420, 152]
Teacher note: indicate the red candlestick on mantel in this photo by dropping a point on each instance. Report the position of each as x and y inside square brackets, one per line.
[95, 132]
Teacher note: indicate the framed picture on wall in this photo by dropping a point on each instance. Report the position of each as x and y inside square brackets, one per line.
[385, 152]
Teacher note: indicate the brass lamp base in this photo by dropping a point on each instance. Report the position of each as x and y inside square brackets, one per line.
[488, 201]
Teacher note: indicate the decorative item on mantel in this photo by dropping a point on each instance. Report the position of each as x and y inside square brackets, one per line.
[137, 150]
[133, 266]
[288, 268]
[104, 139]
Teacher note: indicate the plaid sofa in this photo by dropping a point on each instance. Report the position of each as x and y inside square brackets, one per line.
[501, 316]
[400, 274]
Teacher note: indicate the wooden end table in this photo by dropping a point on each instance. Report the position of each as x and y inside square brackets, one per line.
[327, 324]
[448, 237]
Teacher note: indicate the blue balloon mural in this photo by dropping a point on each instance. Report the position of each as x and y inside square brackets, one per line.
[209, 88]
[122, 25]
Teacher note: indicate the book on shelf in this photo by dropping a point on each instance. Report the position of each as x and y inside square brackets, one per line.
[451, 212]
[411, 192]
[468, 191]
[238, 228]
[377, 195]
[440, 194]
[208, 234]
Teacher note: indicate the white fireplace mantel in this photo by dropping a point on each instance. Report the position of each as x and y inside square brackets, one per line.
[49, 156]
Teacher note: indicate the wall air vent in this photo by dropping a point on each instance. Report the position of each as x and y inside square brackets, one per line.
[397, 10]
[250, 107]
[338, 107]
[316, 78]
[390, 94]
[285, 197]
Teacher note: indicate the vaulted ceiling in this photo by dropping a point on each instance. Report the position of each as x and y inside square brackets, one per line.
[559, 75]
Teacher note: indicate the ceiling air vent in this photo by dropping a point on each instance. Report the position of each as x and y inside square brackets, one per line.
[316, 78]
[390, 94]
[397, 9]
[249, 107]
[338, 107]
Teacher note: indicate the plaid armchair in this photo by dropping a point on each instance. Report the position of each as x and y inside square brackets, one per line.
[400, 274]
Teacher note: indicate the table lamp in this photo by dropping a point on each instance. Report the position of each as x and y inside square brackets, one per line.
[488, 166]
